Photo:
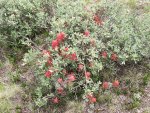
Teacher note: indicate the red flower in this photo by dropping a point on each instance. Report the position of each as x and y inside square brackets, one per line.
[60, 90]
[114, 57]
[49, 62]
[105, 85]
[48, 74]
[46, 52]
[73, 56]
[98, 20]
[55, 44]
[66, 49]
[60, 80]
[116, 83]
[87, 75]
[104, 54]
[60, 37]
[55, 100]
[91, 98]
[86, 33]
[71, 77]
[80, 67]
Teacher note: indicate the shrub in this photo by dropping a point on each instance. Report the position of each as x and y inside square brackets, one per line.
[22, 19]
[86, 38]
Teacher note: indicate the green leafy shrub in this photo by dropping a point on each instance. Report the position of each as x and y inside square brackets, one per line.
[22, 19]
[86, 38]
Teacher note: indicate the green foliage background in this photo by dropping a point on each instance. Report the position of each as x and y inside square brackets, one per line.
[21, 20]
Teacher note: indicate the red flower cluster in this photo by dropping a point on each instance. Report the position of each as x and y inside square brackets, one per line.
[91, 98]
[66, 49]
[80, 67]
[71, 77]
[87, 75]
[114, 57]
[59, 38]
[48, 74]
[46, 52]
[105, 85]
[55, 100]
[104, 54]
[55, 44]
[98, 20]
[86, 33]
[60, 80]
[72, 56]
[60, 90]
[116, 83]
[49, 62]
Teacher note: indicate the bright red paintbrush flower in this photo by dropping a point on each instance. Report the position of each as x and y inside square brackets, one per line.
[114, 57]
[73, 56]
[71, 77]
[116, 83]
[49, 62]
[46, 52]
[55, 44]
[60, 37]
[80, 67]
[87, 75]
[66, 49]
[104, 54]
[98, 20]
[60, 90]
[91, 98]
[48, 74]
[87, 33]
[105, 85]
[55, 100]
[60, 80]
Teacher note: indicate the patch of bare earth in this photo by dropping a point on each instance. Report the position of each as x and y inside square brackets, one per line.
[11, 93]
[145, 104]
